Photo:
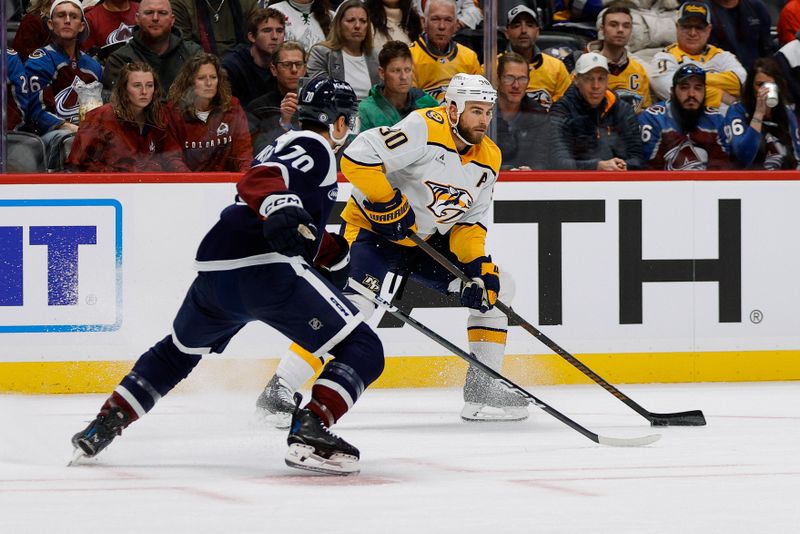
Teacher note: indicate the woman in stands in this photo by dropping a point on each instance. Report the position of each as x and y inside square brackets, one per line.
[347, 54]
[393, 20]
[128, 134]
[206, 119]
[763, 137]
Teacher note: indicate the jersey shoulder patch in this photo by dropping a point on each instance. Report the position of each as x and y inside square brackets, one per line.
[435, 116]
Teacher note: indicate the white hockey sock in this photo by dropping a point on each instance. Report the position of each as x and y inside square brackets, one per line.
[487, 339]
[297, 366]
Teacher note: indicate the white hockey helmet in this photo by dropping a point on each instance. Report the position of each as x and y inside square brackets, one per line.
[465, 88]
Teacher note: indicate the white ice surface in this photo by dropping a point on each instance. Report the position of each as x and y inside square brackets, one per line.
[206, 463]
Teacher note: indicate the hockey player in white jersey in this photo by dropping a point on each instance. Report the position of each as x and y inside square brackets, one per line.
[433, 173]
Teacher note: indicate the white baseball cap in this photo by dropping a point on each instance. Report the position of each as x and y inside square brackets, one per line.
[75, 3]
[517, 10]
[590, 61]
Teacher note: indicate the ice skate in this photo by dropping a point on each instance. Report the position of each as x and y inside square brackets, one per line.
[314, 447]
[98, 435]
[485, 399]
[276, 404]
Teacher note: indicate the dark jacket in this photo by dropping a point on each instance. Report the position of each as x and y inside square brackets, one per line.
[525, 138]
[263, 117]
[248, 80]
[582, 136]
[166, 65]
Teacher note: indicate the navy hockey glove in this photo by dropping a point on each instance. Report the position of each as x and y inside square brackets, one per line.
[481, 293]
[288, 228]
[393, 219]
[337, 270]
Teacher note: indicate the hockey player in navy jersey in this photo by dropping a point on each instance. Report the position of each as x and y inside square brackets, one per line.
[255, 265]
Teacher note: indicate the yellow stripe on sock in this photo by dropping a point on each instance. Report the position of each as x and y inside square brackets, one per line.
[487, 334]
[310, 359]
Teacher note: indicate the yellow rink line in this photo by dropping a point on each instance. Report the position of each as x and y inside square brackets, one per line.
[426, 371]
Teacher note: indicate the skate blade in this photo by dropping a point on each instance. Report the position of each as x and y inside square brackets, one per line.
[77, 457]
[303, 457]
[482, 413]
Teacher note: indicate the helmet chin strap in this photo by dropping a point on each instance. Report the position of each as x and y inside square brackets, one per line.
[338, 141]
[454, 129]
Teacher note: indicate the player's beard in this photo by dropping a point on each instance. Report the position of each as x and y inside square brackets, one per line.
[472, 137]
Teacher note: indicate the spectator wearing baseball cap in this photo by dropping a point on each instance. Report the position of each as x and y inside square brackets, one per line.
[682, 134]
[549, 78]
[743, 28]
[724, 74]
[591, 128]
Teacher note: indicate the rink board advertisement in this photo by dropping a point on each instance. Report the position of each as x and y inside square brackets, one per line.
[688, 280]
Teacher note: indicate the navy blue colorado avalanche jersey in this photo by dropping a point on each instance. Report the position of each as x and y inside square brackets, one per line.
[298, 162]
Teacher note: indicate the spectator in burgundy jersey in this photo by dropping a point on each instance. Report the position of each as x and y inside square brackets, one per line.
[127, 135]
[206, 119]
[33, 32]
[111, 25]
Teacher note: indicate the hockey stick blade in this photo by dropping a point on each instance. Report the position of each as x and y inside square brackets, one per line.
[692, 418]
[407, 319]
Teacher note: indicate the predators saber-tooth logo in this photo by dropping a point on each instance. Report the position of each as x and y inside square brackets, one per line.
[449, 202]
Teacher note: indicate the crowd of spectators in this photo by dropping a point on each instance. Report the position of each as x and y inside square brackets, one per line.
[203, 85]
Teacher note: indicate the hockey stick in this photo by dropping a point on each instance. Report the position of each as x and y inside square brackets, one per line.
[690, 418]
[603, 440]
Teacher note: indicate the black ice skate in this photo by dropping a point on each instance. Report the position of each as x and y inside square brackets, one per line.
[99, 434]
[276, 404]
[485, 399]
[314, 447]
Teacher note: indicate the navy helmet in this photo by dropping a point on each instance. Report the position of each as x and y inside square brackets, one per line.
[324, 100]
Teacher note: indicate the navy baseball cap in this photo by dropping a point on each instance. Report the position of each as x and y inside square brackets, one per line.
[687, 71]
[697, 10]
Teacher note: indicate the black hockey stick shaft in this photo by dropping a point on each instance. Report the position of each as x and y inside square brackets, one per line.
[470, 358]
[690, 418]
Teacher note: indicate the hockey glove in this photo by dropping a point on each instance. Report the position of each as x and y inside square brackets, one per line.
[393, 219]
[337, 270]
[481, 293]
[288, 228]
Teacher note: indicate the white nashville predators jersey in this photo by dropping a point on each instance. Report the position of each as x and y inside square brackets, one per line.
[418, 156]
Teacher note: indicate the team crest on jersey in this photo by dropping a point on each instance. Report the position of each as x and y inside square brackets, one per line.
[449, 203]
[36, 54]
[686, 157]
[122, 34]
[66, 101]
[542, 97]
[434, 116]
[223, 129]
[333, 194]
[631, 97]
